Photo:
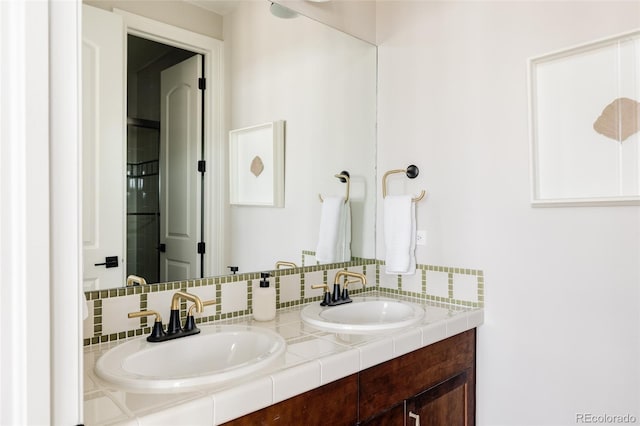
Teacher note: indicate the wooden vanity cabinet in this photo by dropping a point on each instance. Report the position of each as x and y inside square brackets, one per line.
[436, 383]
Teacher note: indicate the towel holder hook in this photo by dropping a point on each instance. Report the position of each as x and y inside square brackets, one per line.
[411, 172]
[344, 178]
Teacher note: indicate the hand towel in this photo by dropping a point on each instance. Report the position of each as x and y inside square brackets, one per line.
[400, 234]
[344, 236]
[334, 237]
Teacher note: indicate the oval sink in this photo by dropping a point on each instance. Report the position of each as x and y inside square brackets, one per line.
[215, 355]
[365, 315]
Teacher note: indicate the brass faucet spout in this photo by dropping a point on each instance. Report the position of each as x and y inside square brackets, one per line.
[204, 303]
[135, 280]
[357, 275]
[282, 263]
[175, 301]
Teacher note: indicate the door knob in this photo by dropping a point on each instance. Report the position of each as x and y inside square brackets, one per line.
[109, 262]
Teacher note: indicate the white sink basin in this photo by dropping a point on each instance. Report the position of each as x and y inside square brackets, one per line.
[365, 315]
[215, 355]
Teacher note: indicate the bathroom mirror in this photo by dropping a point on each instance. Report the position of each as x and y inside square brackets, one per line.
[322, 84]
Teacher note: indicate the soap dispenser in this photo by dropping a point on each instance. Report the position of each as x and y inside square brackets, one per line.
[264, 300]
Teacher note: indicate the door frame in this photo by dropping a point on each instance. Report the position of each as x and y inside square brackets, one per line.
[29, 126]
[215, 150]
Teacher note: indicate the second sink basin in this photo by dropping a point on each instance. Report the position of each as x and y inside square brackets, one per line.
[365, 315]
[215, 355]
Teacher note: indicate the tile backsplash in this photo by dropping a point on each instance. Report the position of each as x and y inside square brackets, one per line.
[107, 309]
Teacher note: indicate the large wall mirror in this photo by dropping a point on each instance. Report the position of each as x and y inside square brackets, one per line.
[319, 81]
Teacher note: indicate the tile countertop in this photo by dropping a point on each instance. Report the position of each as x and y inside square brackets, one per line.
[313, 358]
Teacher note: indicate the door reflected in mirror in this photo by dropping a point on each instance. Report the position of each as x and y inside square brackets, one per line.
[158, 86]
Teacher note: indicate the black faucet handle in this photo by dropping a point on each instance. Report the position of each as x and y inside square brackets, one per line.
[345, 294]
[157, 334]
[190, 322]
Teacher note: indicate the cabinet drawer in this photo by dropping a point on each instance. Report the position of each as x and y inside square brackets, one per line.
[333, 404]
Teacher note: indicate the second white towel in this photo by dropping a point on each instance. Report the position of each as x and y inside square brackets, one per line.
[334, 238]
[400, 234]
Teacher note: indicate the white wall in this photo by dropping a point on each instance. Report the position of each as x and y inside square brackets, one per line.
[357, 18]
[562, 322]
[323, 84]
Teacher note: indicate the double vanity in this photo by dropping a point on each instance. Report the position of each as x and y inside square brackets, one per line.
[380, 359]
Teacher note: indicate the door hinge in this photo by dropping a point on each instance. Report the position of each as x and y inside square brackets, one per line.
[202, 83]
[202, 166]
[201, 248]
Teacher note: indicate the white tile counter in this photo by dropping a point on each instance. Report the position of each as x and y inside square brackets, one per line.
[313, 358]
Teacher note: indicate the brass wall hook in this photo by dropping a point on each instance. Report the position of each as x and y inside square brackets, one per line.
[411, 172]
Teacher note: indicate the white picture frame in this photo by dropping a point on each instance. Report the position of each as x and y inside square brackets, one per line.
[579, 104]
[256, 165]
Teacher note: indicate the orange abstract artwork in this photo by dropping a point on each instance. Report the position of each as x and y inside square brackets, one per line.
[257, 166]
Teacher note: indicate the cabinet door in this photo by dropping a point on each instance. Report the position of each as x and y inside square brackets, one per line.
[448, 403]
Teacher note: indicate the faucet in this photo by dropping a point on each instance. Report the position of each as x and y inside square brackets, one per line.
[280, 263]
[174, 318]
[338, 297]
[135, 280]
[174, 330]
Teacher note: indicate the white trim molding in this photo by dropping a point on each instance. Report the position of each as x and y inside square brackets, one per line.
[25, 347]
[66, 219]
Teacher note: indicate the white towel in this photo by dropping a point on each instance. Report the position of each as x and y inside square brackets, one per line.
[334, 237]
[400, 234]
[344, 236]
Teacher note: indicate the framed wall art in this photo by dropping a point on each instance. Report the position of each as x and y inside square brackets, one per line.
[585, 124]
[256, 165]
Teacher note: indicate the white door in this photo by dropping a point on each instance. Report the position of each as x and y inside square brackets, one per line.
[180, 150]
[103, 147]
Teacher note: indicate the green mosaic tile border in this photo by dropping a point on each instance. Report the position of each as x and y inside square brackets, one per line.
[96, 297]
[424, 295]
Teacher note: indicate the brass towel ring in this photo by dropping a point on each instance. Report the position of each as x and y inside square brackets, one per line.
[344, 178]
[412, 171]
